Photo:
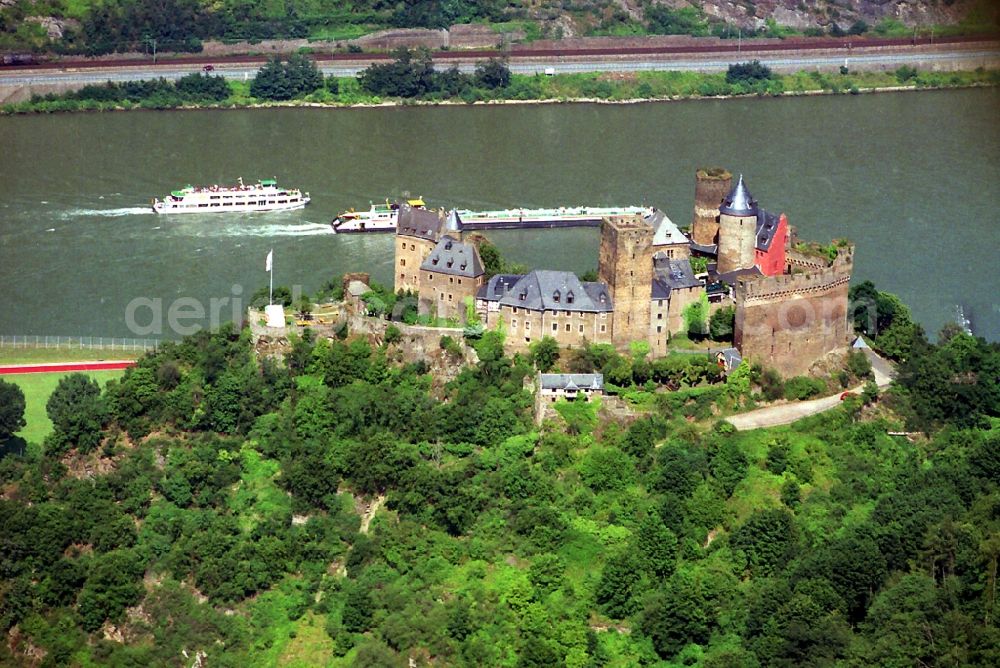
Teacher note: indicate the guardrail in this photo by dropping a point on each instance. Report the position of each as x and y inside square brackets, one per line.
[77, 342]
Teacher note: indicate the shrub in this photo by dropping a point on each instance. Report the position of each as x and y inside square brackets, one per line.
[749, 73]
[803, 387]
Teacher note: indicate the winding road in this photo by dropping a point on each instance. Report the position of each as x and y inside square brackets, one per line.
[773, 416]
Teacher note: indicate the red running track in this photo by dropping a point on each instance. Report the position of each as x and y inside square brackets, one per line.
[65, 367]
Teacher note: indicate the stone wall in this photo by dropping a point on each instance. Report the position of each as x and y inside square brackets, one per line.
[410, 254]
[445, 295]
[787, 322]
[710, 187]
[625, 264]
[568, 328]
[737, 238]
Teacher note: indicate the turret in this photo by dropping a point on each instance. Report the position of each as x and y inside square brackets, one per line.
[710, 186]
[737, 229]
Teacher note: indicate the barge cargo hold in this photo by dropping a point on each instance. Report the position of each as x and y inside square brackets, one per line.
[505, 219]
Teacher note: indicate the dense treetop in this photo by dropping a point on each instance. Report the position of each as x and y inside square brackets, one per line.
[342, 504]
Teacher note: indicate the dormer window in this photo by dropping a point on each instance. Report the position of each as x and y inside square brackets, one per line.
[569, 297]
[450, 262]
[447, 245]
[556, 296]
[463, 266]
[434, 261]
[604, 298]
[522, 296]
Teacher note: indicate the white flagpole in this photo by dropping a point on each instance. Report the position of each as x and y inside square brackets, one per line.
[270, 271]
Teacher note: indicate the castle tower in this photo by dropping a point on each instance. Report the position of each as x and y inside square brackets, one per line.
[625, 264]
[737, 229]
[710, 186]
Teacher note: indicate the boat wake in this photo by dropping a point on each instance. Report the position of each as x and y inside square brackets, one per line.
[107, 213]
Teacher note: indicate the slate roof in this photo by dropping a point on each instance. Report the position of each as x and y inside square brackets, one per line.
[547, 290]
[497, 286]
[739, 201]
[669, 274]
[420, 223]
[859, 344]
[730, 277]
[455, 258]
[667, 232]
[767, 225]
[571, 381]
[453, 223]
[357, 288]
[707, 249]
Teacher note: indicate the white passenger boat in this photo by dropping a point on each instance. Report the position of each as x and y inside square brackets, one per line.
[265, 195]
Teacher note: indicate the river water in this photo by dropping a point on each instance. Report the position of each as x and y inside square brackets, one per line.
[912, 178]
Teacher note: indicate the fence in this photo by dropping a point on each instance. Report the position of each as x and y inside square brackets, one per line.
[77, 342]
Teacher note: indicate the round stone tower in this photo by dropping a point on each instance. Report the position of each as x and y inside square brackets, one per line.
[711, 184]
[737, 229]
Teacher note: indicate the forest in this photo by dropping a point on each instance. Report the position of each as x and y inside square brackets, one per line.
[337, 506]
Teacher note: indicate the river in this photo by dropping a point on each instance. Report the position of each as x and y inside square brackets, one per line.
[912, 178]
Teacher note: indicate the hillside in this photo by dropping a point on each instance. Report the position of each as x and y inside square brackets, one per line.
[343, 507]
[94, 27]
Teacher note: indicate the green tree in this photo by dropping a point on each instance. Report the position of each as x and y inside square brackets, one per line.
[358, 609]
[77, 411]
[767, 539]
[545, 353]
[656, 546]
[619, 585]
[750, 72]
[493, 74]
[722, 324]
[695, 317]
[11, 409]
[729, 466]
[677, 617]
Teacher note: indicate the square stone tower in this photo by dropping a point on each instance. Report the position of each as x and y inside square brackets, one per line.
[625, 264]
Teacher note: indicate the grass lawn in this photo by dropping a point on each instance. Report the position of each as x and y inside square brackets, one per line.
[37, 387]
[47, 355]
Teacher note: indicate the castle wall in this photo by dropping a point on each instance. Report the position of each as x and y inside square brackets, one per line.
[788, 322]
[445, 295]
[625, 264]
[666, 317]
[710, 187]
[737, 241]
[568, 328]
[410, 254]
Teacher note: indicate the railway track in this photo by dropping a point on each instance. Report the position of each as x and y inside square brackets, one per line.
[527, 52]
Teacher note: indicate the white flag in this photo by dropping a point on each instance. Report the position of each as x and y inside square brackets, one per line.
[267, 262]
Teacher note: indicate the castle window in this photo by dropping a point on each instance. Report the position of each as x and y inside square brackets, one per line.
[515, 310]
[568, 327]
[659, 316]
[430, 276]
[513, 323]
[441, 296]
[660, 303]
[449, 296]
[581, 329]
[402, 277]
[403, 246]
[555, 327]
[604, 328]
[460, 281]
[402, 262]
[413, 247]
[659, 328]
[527, 325]
[451, 279]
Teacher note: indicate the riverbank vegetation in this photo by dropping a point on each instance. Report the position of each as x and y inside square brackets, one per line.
[345, 507]
[451, 86]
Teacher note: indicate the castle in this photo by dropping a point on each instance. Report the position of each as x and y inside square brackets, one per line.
[790, 306]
